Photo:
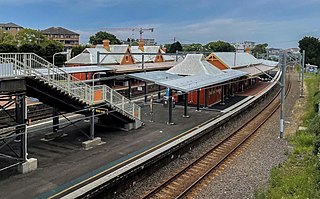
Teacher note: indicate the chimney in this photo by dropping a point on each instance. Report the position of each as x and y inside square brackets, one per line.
[106, 44]
[141, 45]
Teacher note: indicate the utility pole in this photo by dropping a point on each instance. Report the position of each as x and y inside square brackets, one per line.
[283, 92]
[302, 72]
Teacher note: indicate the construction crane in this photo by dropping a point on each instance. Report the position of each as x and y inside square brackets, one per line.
[140, 30]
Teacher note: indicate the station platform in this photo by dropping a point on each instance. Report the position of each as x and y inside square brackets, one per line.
[63, 162]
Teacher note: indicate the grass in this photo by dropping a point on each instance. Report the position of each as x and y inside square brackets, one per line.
[299, 176]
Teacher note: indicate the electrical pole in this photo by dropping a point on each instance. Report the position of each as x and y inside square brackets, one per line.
[283, 92]
[302, 72]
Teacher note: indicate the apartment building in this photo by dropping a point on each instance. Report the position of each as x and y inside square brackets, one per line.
[68, 38]
[10, 27]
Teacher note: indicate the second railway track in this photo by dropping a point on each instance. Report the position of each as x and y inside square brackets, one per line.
[183, 182]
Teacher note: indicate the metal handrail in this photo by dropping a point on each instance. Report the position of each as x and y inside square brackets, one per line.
[30, 64]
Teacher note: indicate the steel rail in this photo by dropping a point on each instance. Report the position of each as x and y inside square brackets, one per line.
[220, 162]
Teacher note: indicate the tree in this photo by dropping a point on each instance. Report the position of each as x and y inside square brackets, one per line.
[176, 46]
[50, 50]
[31, 48]
[100, 36]
[260, 49]
[76, 50]
[193, 47]
[311, 45]
[219, 46]
[8, 48]
[6, 37]
[30, 36]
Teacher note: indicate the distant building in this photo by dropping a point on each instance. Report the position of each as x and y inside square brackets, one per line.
[68, 38]
[244, 46]
[10, 27]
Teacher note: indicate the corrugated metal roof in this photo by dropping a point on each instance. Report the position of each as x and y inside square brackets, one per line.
[154, 76]
[269, 62]
[147, 49]
[89, 55]
[235, 60]
[194, 82]
[194, 64]
[77, 69]
[256, 69]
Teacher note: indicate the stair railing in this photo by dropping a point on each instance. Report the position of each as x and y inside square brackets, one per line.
[34, 65]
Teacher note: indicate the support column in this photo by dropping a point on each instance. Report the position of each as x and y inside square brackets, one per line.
[222, 95]
[92, 124]
[198, 100]
[129, 89]
[205, 98]
[21, 126]
[55, 121]
[31, 164]
[185, 112]
[170, 107]
[145, 92]
[159, 94]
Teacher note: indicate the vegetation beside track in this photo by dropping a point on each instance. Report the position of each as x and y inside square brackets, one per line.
[299, 176]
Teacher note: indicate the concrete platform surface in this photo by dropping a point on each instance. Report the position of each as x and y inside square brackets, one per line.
[63, 162]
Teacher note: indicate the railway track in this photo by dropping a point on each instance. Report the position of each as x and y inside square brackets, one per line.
[211, 163]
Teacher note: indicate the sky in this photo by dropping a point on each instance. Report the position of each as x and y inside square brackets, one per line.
[280, 23]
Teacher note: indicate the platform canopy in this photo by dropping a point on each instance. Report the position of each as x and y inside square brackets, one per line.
[255, 70]
[76, 69]
[187, 83]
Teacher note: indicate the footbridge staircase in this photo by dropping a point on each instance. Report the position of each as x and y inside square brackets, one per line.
[61, 90]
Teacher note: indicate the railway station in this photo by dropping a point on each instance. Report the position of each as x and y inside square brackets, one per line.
[93, 123]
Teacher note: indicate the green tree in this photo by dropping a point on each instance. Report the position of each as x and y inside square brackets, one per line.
[311, 45]
[52, 48]
[76, 50]
[31, 48]
[176, 46]
[30, 36]
[6, 37]
[219, 46]
[100, 36]
[260, 49]
[8, 48]
[193, 47]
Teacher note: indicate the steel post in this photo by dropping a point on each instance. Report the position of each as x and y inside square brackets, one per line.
[21, 128]
[170, 107]
[185, 112]
[145, 92]
[198, 100]
[129, 89]
[222, 95]
[92, 124]
[283, 92]
[159, 94]
[205, 98]
[302, 72]
[55, 120]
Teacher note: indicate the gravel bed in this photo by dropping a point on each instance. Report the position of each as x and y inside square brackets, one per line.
[140, 188]
[250, 171]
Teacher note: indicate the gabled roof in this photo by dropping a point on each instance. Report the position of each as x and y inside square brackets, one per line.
[89, 55]
[147, 49]
[10, 25]
[194, 64]
[58, 31]
[235, 60]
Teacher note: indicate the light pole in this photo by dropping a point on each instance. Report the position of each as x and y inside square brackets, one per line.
[59, 53]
